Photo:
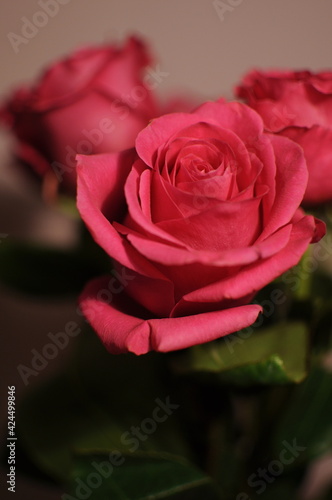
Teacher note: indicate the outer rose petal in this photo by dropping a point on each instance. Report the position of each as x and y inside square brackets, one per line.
[257, 275]
[170, 255]
[291, 182]
[317, 146]
[243, 121]
[123, 332]
[102, 178]
[100, 199]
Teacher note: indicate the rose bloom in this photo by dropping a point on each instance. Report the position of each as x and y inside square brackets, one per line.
[198, 217]
[94, 101]
[298, 105]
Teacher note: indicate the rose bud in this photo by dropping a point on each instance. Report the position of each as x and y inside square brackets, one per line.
[96, 100]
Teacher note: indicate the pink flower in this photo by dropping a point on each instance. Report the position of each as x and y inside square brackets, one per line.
[298, 105]
[202, 214]
[94, 101]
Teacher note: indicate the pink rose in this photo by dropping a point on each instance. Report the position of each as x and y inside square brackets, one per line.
[198, 217]
[298, 105]
[94, 101]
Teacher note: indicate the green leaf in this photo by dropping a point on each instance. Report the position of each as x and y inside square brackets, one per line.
[94, 404]
[46, 271]
[308, 416]
[274, 355]
[138, 477]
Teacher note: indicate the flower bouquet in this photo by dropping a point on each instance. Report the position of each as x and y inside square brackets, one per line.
[201, 362]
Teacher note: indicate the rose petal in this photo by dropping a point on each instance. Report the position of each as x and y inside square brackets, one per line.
[240, 119]
[121, 331]
[317, 146]
[255, 276]
[158, 131]
[291, 181]
[100, 199]
[136, 219]
[214, 228]
[168, 255]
